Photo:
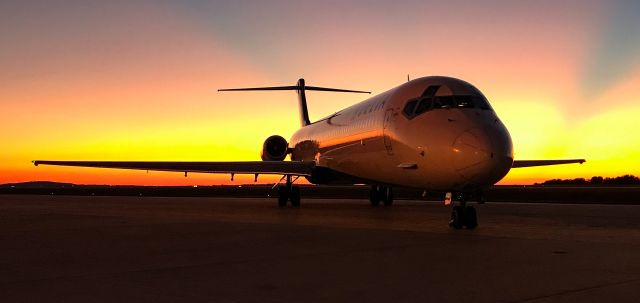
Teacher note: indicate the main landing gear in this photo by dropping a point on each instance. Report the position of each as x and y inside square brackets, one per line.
[288, 192]
[382, 194]
[463, 215]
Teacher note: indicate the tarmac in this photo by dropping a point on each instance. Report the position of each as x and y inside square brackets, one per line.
[153, 249]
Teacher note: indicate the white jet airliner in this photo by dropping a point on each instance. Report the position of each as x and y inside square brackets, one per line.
[432, 133]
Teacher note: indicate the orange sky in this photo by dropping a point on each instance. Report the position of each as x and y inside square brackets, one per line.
[137, 81]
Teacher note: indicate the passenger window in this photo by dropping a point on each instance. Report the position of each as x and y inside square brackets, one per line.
[424, 106]
[408, 109]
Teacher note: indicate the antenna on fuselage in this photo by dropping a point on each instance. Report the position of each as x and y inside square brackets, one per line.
[300, 87]
[408, 78]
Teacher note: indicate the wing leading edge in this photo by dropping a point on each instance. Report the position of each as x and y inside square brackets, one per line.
[299, 168]
[530, 163]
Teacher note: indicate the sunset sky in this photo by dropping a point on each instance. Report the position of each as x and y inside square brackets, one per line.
[137, 80]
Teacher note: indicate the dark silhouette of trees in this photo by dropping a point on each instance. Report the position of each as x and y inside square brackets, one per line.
[595, 180]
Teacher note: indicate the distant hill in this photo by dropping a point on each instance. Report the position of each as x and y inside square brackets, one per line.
[37, 184]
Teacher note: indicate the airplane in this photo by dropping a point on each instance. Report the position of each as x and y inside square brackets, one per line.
[433, 133]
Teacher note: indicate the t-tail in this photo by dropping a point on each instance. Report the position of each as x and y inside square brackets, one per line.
[300, 87]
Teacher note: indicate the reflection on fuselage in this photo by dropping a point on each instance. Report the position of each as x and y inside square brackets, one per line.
[457, 142]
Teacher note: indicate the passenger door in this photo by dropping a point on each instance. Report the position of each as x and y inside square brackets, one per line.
[386, 125]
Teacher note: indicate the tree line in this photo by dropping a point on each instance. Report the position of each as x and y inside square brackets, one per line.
[596, 180]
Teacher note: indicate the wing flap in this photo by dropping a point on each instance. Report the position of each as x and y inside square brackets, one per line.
[530, 163]
[300, 168]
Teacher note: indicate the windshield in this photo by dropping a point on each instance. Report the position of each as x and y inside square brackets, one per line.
[418, 106]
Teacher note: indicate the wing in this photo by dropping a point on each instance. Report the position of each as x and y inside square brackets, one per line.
[299, 168]
[529, 163]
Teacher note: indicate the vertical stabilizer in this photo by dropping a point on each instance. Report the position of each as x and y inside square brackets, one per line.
[302, 104]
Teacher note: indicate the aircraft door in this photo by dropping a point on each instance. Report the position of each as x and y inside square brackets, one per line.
[386, 125]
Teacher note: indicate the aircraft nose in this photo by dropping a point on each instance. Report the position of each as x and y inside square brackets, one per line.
[471, 152]
[481, 157]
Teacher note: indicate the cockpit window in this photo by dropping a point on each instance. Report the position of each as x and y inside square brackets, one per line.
[444, 102]
[425, 105]
[418, 106]
[410, 107]
[431, 91]
[464, 102]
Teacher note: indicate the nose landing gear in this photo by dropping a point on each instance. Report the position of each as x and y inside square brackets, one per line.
[463, 215]
[380, 193]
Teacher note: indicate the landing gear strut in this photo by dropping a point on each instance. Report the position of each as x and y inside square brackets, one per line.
[463, 215]
[288, 192]
[380, 193]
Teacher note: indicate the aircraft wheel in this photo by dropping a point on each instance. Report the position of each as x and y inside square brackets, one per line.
[387, 196]
[470, 217]
[283, 196]
[374, 195]
[456, 217]
[295, 196]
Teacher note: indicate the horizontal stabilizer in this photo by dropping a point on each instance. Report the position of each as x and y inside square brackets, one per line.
[293, 87]
[300, 87]
[530, 163]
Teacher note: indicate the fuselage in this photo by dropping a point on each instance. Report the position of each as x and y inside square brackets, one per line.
[437, 133]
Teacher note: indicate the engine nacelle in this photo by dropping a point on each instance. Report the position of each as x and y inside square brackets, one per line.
[275, 148]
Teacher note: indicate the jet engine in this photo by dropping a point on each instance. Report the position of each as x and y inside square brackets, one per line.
[275, 148]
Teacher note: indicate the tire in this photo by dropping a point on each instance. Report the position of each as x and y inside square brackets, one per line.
[387, 196]
[283, 196]
[295, 196]
[374, 195]
[456, 217]
[470, 217]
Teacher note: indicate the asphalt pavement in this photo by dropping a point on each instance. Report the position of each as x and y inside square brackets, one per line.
[153, 249]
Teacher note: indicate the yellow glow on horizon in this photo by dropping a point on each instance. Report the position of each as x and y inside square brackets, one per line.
[609, 139]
